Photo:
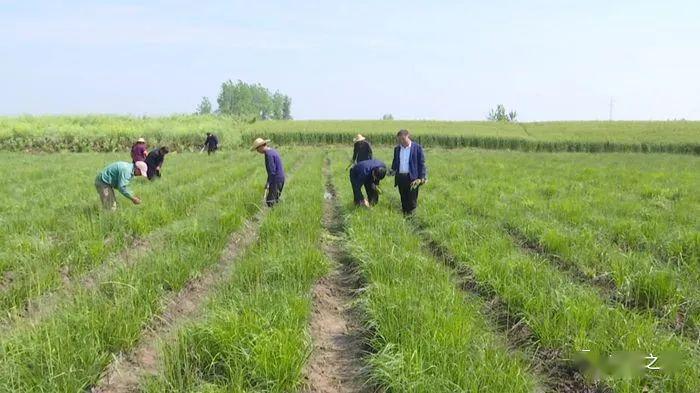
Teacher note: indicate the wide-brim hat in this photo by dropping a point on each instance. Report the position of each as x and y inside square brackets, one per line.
[259, 142]
[358, 138]
[140, 140]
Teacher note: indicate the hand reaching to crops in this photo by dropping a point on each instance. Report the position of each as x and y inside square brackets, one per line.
[136, 200]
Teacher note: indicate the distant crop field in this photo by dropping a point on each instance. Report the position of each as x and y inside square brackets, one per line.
[520, 272]
[186, 133]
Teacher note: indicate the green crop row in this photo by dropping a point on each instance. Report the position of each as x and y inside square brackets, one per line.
[563, 315]
[67, 350]
[481, 142]
[598, 217]
[427, 335]
[254, 337]
[69, 234]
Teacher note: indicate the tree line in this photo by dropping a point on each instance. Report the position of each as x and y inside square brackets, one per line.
[250, 101]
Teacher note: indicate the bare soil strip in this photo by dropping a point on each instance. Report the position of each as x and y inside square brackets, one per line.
[128, 370]
[336, 362]
[559, 375]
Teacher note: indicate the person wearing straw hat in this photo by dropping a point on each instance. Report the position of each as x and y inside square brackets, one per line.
[118, 175]
[139, 151]
[361, 151]
[275, 170]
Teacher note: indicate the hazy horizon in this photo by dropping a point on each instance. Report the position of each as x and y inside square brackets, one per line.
[416, 60]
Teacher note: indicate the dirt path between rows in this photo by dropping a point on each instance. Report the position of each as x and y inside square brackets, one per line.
[128, 370]
[336, 362]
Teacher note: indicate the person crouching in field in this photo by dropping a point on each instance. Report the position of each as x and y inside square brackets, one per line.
[409, 167]
[118, 175]
[361, 150]
[275, 171]
[139, 151]
[367, 173]
[154, 160]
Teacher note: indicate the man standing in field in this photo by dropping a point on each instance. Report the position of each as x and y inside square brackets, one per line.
[409, 167]
[154, 160]
[139, 151]
[362, 150]
[211, 143]
[367, 173]
[118, 175]
[275, 171]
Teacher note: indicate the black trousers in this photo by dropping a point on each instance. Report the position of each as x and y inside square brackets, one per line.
[370, 189]
[409, 198]
[274, 191]
[372, 194]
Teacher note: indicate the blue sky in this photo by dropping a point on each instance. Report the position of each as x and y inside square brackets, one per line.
[549, 60]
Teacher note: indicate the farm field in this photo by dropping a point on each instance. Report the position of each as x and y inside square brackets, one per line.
[520, 272]
[186, 132]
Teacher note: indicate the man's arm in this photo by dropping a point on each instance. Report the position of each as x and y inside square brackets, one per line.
[369, 151]
[355, 151]
[122, 186]
[421, 163]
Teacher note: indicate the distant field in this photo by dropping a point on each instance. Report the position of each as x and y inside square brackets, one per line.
[186, 132]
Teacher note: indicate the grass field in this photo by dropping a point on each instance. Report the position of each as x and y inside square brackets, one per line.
[520, 272]
[114, 133]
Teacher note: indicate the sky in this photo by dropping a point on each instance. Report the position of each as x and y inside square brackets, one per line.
[360, 59]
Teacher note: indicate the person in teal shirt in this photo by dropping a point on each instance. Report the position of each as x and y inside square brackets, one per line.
[118, 175]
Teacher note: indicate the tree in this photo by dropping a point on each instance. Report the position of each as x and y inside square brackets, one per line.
[204, 107]
[253, 100]
[286, 108]
[388, 116]
[500, 114]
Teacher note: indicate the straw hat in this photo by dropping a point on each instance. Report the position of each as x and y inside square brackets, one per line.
[140, 140]
[259, 142]
[358, 138]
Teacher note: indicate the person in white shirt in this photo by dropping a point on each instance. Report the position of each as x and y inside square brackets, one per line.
[409, 167]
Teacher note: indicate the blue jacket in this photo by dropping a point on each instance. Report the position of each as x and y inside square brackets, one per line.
[362, 171]
[416, 162]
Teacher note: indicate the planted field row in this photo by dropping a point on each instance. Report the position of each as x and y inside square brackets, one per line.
[563, 315]
[253, 336]
[292, 137]
[56, 246]
[68, 349]
[598, 220]
[426, 335]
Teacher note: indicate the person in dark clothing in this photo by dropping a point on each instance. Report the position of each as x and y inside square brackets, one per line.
[367, 173]
[139, 151]
[154, 160]
[211, 143]
[409, 167]
[362, 150]
[275, 171]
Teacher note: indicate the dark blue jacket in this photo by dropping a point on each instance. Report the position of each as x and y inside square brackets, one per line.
[362, 171]
[274, 167]
[416, 162]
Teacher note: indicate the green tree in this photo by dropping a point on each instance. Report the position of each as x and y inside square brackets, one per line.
[204, 107]
[252, 100]
[500, 114]
[286, 108]
[388, 116]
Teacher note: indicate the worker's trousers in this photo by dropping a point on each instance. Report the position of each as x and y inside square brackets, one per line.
[106, 192]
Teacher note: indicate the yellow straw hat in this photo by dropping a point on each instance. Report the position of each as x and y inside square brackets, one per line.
[259, 142]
